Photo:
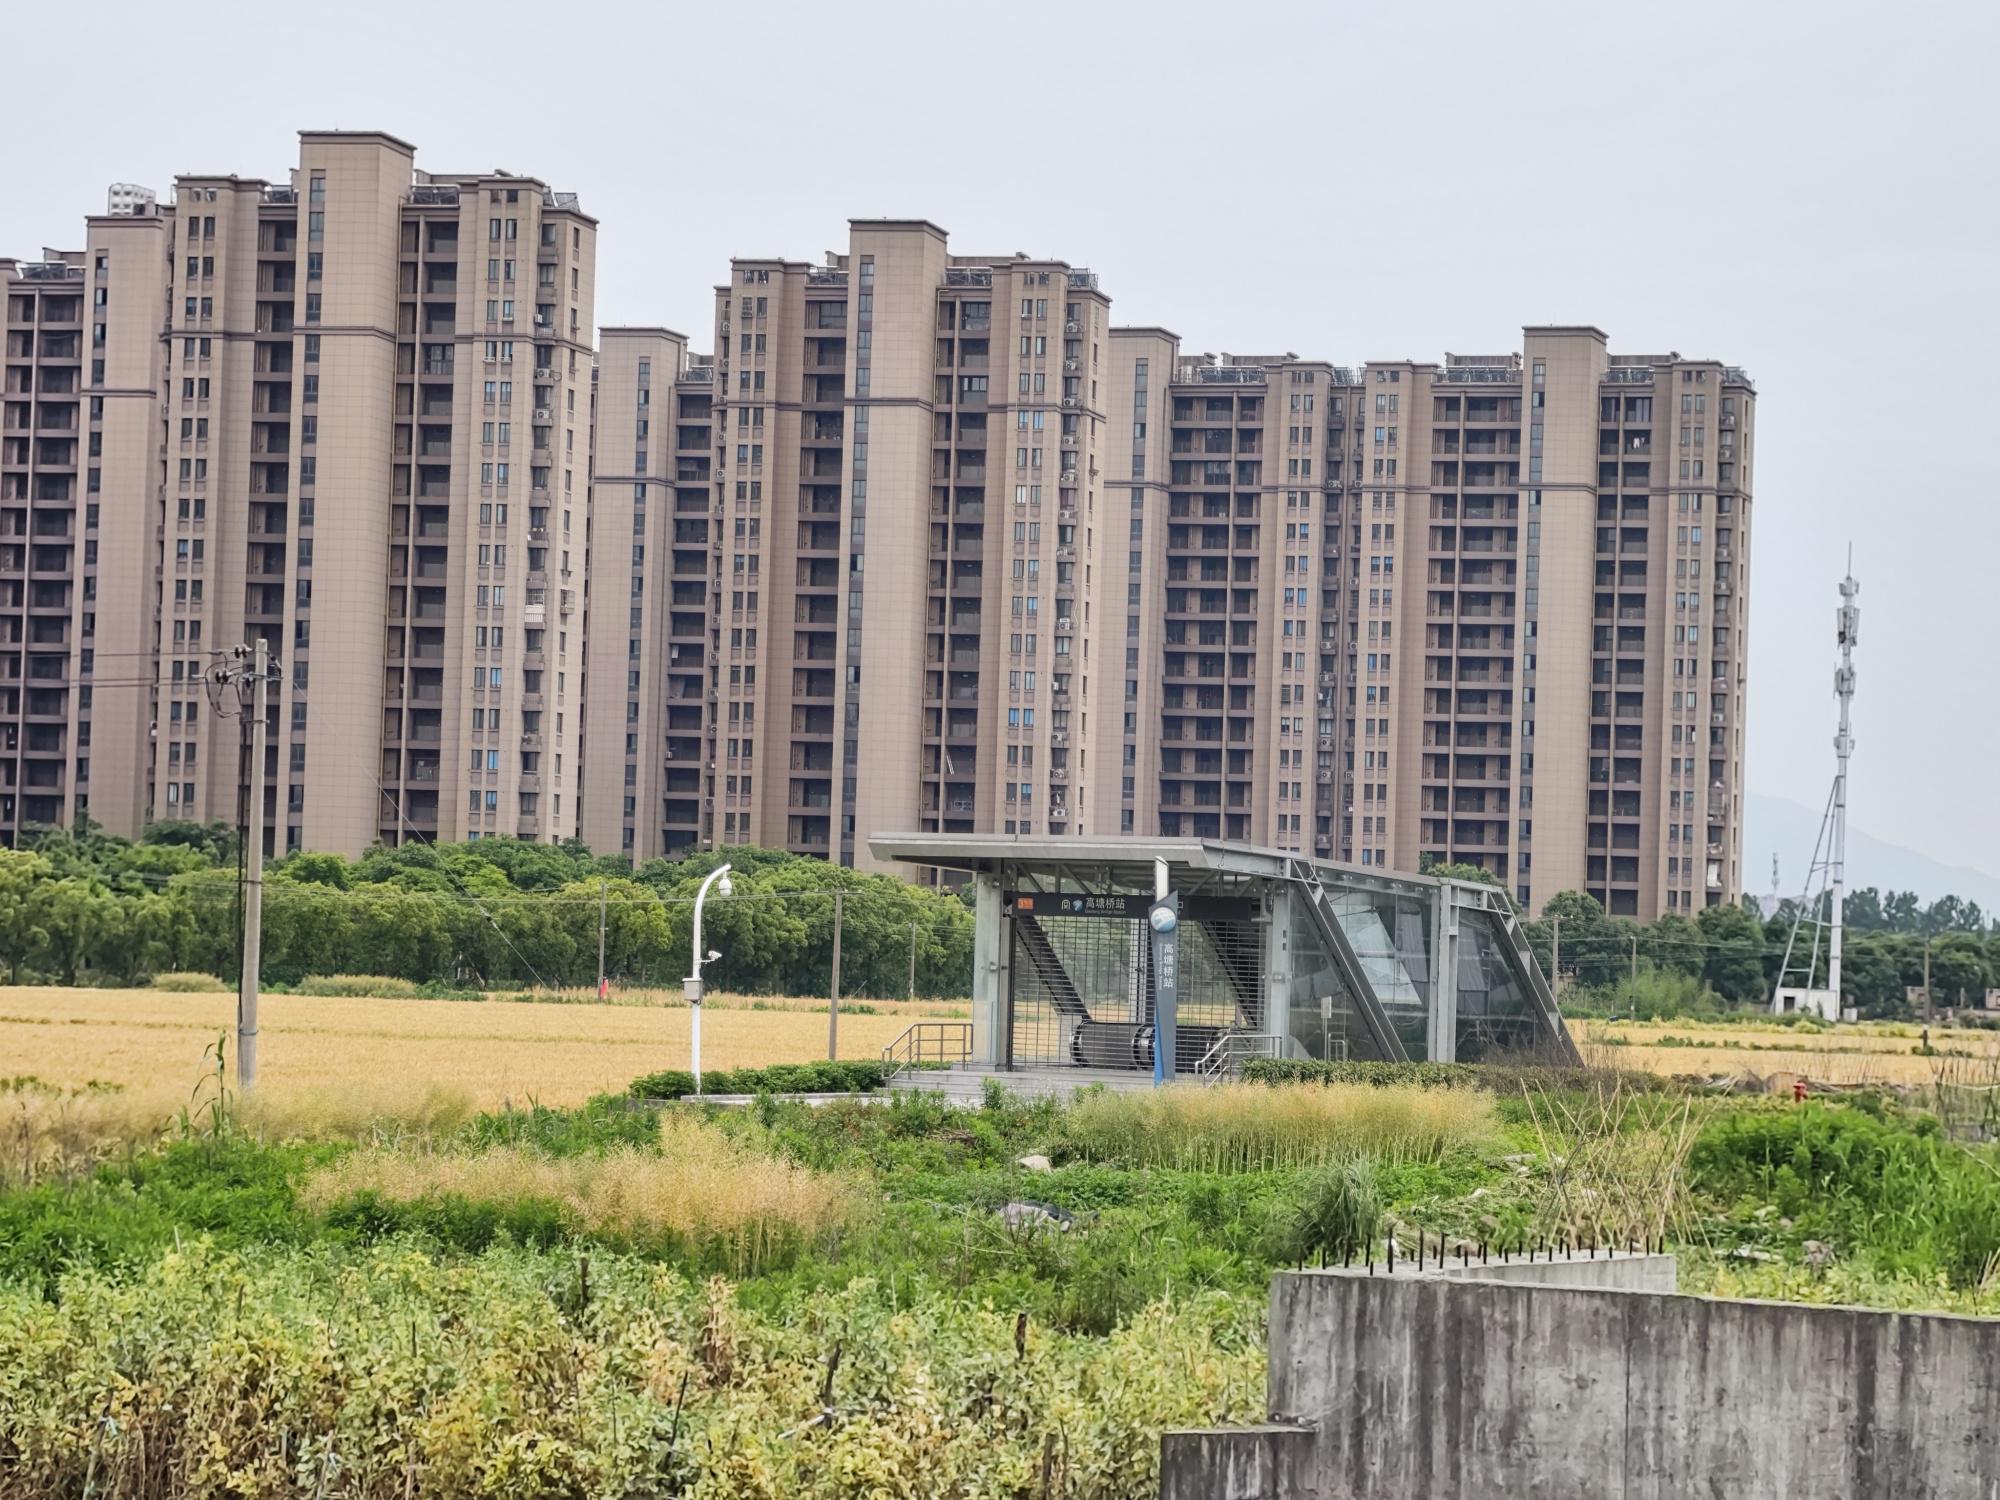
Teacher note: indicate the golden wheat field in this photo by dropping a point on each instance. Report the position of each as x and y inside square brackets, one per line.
[496, 1051]
[1867, 1052]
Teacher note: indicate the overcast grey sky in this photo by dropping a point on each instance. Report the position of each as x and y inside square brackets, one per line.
[1805, 190]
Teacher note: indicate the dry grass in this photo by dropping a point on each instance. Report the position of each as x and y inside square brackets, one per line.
[702, 1187]
[492, 1053]
[1255, 1127]
[49, 1131]
[1866, 1053]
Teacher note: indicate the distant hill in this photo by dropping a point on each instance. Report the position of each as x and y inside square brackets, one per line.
[1780, 825]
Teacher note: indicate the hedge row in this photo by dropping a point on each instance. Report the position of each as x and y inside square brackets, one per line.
[1493, 1077]
[780, 1078]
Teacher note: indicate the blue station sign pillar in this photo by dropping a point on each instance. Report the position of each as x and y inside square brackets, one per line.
[1164, 919]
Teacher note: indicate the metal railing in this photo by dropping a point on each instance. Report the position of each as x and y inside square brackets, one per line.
[1232, 1049]
[924, 1043]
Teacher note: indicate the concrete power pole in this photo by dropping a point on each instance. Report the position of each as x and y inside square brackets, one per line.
[253, 880]
[833, 1000]
[1555, 957]
[602, 889]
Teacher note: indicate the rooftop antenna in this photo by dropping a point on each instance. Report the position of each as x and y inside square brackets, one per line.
[1826, 879]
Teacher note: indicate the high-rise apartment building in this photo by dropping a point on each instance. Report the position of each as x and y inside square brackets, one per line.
[925, 544]
[1223, 586]
[1487, 612]
[358, 413]
[650, 612]
[79, 513]
[906, 456]
[1490, 612]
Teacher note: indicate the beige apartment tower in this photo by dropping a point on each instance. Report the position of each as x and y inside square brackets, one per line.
[651, 615]
[1490, 612]
[924, 544]
[378, 400]
[79, 513]
[976, 561]
[905, 489]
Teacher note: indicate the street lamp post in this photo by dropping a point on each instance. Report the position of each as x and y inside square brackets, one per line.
[719, 873]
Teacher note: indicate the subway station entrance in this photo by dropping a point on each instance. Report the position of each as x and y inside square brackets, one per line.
[1276, 955]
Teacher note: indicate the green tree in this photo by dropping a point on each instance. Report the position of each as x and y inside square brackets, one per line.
[1872, 974]
[1733, 963]
[1863, 910]
[216, 840]
[1902, 912]
[1674, 943]
[1959, 974]
[81, 917]
[315, 869]
[26, 880]
[1595, 949]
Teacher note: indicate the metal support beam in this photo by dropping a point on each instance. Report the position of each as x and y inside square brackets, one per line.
[1530, 974]
[1278, 964]
[992, 1017]
[1380, 1030]
[1443, 1030]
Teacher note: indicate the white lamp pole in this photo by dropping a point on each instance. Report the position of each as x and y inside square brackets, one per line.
[719, 873]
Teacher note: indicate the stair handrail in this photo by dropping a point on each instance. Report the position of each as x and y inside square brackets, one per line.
[945, 1042]
[1225, 1057]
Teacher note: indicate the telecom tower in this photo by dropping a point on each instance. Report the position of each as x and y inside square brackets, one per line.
[1821, 903]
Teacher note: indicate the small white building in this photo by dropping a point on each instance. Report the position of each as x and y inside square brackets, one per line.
[1822, 1003]
[128, 200]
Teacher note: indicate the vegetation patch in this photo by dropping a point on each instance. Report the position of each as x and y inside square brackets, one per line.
[861, 1076]
[1247, 1127]
[699, 1189]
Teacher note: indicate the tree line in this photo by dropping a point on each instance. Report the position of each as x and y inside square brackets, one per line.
[81, 906]
[1735, 954]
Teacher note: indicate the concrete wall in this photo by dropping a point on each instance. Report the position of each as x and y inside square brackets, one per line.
[1438, 1387]
[1620, 1273]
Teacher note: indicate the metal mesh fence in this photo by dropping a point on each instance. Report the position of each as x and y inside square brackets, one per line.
[1083, 987]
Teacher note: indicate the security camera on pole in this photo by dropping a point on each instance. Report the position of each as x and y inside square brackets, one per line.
[1165, 919]
[719, 878]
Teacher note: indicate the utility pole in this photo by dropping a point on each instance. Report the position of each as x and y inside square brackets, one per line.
[601, 901]
[253, 880]
[1556, 957]
[913, 960]
[1927, 979]
[1635, 958]
[833, 1005]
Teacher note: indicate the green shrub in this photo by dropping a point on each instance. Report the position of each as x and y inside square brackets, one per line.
[1873, 1182]
[862, 1076]
[1498, 1078]
[356, 987]
[608, 1120]
[188, 984]
[1338, 1211]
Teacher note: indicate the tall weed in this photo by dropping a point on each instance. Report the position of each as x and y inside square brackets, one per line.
[701, 1189]
[1257, 1127]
